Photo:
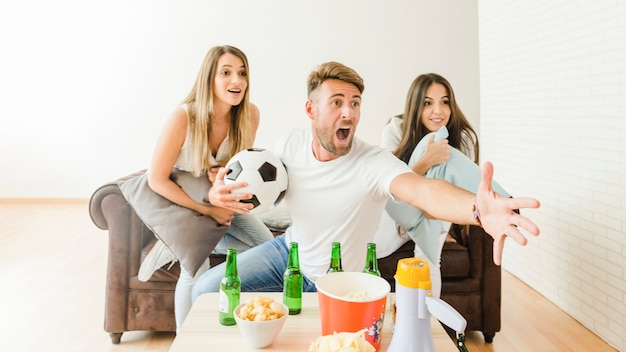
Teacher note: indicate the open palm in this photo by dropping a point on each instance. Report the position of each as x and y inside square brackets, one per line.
[498, 217]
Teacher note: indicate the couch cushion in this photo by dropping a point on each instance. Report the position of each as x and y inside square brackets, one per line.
[455, 260]
[276, 219]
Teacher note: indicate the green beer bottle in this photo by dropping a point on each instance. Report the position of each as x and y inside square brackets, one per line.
[292, 282]
[230, 289]
[371, 263]
[335, 259]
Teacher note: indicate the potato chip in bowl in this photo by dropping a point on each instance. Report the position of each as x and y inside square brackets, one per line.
[260, 309]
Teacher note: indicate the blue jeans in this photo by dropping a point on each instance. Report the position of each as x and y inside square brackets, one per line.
[260, 268]
[245, 232]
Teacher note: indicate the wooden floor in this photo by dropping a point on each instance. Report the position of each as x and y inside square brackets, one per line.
[53, 262]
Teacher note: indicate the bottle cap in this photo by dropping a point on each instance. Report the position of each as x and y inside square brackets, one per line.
[413, 273]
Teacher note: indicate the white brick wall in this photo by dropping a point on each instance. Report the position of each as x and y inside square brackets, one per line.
[553, 121]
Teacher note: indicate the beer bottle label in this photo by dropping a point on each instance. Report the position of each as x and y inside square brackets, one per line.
[224, 304]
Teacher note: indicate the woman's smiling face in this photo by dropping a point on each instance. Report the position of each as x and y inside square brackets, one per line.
[436, 109]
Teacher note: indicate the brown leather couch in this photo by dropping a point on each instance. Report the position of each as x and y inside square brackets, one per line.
[130, 304]
[471, 282]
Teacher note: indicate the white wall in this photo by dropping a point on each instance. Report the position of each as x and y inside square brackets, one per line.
[553, 120]
[86, 86]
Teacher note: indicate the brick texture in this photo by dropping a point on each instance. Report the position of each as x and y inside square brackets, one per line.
[553, 122]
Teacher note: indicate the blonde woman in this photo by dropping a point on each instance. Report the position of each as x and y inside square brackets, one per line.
[213, 123]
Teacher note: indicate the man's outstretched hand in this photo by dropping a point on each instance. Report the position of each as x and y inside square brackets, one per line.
[497, 214]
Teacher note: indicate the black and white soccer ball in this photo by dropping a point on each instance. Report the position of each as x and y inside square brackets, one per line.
[265, 174]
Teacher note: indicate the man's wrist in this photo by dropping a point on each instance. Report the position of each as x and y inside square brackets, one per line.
[476, 214]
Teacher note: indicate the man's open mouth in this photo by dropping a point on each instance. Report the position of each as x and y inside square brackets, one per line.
[343, 134]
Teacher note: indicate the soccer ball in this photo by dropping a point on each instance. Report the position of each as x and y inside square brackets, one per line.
[265, 174]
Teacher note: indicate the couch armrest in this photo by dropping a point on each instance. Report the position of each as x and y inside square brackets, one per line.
[98, 197]
[110, 211]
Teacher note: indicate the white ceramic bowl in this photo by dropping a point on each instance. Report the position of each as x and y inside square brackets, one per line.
[260, 334]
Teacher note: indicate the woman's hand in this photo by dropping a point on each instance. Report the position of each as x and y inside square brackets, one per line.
[220, 194]
[435, 153]
[221, 215]
[497, 217]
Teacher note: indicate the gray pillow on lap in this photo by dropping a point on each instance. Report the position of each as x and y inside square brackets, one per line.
[190, 235]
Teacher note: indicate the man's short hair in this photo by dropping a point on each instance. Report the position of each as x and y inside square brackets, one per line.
[334, 70]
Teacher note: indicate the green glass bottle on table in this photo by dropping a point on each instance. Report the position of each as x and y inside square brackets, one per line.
[335, 259]
[230, 289]
[292, 282]
[371, 263]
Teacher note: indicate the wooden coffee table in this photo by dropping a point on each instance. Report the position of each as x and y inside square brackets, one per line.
[202, 331]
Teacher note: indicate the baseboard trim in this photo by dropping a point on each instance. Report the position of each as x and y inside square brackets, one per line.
[44, 201]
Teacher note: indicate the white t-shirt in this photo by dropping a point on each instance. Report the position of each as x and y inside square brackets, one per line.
[392, 133]
[387, 238]
[335, 201]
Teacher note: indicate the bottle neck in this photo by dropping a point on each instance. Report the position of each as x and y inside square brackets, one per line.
[335, 258]
[371, 263]
[293, 262]
[231, 264]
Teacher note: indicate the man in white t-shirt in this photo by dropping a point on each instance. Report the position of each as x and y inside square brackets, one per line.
[338, 187]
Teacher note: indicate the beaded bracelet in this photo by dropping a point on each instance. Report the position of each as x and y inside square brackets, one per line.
[476, 214]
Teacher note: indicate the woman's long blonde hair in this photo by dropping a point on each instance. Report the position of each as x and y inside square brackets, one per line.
[200, 109]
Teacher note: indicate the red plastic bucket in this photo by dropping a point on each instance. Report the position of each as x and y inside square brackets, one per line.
[351, 302]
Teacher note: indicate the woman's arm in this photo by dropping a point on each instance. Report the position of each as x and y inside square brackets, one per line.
[164, 157]
[435, 153]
